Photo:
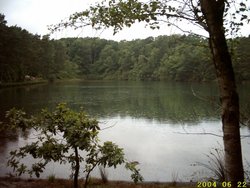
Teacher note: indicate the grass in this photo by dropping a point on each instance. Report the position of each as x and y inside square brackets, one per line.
[175, 177]
[215, 164]
[51, 178]
[104, 174]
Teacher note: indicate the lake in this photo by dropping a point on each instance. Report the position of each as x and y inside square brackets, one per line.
[155, 123]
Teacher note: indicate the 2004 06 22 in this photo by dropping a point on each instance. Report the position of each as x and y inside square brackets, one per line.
[223, 184]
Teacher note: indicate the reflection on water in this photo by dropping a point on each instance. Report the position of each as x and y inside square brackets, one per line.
[151, 100]
[148, 117]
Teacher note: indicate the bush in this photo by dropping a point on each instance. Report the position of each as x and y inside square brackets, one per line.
[61, 132]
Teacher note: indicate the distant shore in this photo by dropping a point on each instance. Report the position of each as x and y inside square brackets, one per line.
[43, 81]
[24, 83]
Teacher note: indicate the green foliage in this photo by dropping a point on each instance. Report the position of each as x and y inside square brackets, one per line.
[24, 54]
[176, 57]
[59, 133]
[118, 14]
[241, 58]
[173, 58]
[136, 176]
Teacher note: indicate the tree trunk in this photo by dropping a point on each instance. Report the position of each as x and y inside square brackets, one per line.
[213, 11]
[77, 167]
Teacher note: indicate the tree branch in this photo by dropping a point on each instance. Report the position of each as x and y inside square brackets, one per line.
[187, 133]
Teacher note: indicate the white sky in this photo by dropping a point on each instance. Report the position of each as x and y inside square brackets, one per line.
[36, 15]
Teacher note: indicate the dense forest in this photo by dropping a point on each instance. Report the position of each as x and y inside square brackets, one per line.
[175, 58]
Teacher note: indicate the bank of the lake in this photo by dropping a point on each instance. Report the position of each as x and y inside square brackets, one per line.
[7, 182]
[42, 81]
[24, 83]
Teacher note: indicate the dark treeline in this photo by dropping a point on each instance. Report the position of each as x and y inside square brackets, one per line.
[174, 58]
[23, 55]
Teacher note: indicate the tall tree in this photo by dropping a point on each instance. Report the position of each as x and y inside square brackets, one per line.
[213, 12]
[208, 14]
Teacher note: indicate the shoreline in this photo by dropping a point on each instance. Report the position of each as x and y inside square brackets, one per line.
[43, 81]
[25, 83]
[11, 182]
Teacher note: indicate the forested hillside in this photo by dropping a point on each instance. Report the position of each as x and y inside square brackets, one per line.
[174, 58]
[24, 54]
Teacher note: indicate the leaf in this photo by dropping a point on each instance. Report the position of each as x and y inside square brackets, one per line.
[243, 17]
[242, 9]
[135, 176]
[243, 4]
[22, 169]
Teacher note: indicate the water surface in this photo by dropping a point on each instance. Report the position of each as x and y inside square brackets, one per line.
[148, 119]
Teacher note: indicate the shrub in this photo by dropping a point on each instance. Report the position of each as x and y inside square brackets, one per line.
[59, 133]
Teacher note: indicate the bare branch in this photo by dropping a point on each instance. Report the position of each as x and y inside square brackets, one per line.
[188, 133]
[108, 127]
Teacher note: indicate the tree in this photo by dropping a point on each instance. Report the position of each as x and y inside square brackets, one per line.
[213, 13]
[125, 60]
[107, 63]
[241, 58]
[24, 54]
[62, 135]
[3, 42]
[207, 14]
